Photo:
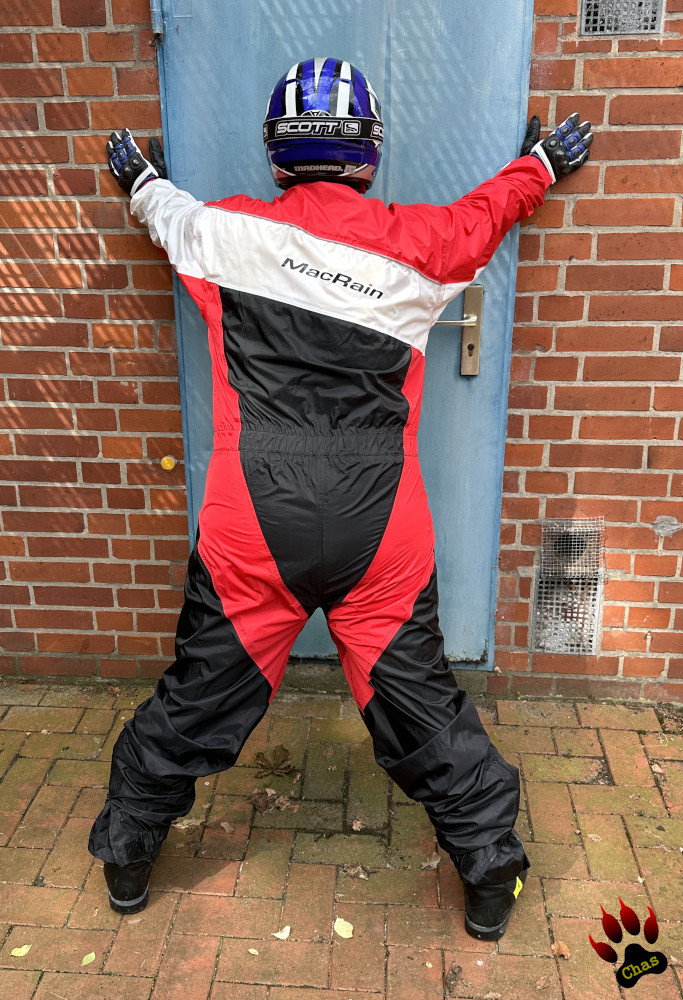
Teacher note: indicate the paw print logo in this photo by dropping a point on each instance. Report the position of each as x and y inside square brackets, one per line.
[637, 961]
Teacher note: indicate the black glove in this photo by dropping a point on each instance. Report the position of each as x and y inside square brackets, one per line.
[564, 150]
[128, 164]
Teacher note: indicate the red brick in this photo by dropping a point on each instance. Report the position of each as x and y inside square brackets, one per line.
[141, 115]
[628, 591]
[96, 420]
[111, 46]
[156, 277]
[603, 397]
[101, 472]
[620, 484]
[671, 337]
[106, 524]
[641, 145]
[567, 246]
[626, 428]
[535, 338]
[604, 338]
[66, 116]
[559, 663]
[550, 215]
[81, 13]
[106, 276]
[611, 510]
[551, 74]
[74, 596]
[36, 149]
[609, 276]
[34, 245]
[90, 81]
[632, 72]
[59, 496]
[84, 548]
[74, 181]
[555, 8]
[640, 246]
[653, 618]
[37, 214]
[546, 482]
[139, 80]
[644, 666]
[33, 362]
[36, 417]
[18, 117]
[30, 82]
[52, 390]
[82, 306]
[663, 457]
[20, 183]
[668, 398]
[59, 47]
[34, 275]
[562, 308]
[646, 109]
[598, 456]
[545, 37]
[623, 212]
[101, 215]
[556, 369]
[592, 108]
[22, 13]
[667, 642]
[647, 179]
[631, 369]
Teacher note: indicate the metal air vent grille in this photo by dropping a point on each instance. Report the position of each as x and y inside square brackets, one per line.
[569, 586]
[620, 17]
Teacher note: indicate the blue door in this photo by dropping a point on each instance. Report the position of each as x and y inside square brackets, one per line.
[453, 81]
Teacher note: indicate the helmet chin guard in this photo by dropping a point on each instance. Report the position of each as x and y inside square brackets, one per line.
[323, 122]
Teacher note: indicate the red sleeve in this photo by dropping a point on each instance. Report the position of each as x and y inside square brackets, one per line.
[466, 233]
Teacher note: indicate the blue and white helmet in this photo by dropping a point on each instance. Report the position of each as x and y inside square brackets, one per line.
[323, 122]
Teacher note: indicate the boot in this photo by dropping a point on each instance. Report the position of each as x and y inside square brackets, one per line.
[492, 879]
[129, 884]
[488, 907]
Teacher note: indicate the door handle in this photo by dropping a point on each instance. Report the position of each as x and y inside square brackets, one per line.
[471, 335]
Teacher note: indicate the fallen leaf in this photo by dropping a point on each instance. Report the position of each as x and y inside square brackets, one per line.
[228, 827]
[542, 983]
[332, 767]
[186, 824]
[88, 958]
[134, 920]
[428, 964]
[20, 952]
[113, 690]
[560, 949]
[432, 862]
[252, 951]
[355, 871]
[277, 763]
[493, 996]
[594, 837]
[343, 928]
[452, 977]
[283, 934]
[657, 769]
[328, 753]
[270, 791]
[261, 801]
[357, 825]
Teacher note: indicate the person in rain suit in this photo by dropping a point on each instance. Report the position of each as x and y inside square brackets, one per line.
[318, 307]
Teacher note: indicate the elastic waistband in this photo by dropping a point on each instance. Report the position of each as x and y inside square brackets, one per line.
[379, 442]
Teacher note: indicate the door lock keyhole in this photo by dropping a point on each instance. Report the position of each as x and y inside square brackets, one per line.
[470, 350]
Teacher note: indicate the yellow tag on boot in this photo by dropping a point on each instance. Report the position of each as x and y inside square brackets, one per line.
[518, 887]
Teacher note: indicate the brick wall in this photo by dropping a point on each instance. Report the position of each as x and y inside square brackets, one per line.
[93, 543]
[595, 399]
[94, 531]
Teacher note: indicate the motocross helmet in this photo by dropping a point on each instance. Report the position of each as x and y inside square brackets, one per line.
[323, 122]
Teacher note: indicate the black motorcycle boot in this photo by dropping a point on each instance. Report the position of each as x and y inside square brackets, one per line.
[492, 878]
[488, 907]
[129, 884]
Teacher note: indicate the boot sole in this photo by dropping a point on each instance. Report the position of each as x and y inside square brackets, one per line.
[129, 905]
[487, 933]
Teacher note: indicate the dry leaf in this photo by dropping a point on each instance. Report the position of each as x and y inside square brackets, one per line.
[277, 763]
[343, 928]
[328, 753]
[560, 949]
[542, 983]
[493, 996]
[252, 951]
[88, 958]
[428, 964]
[134, 920]
[332, 767]
[20, 952]
[228, 827]
[187, 824]
[357, 825]
[355, 871]
[283, 934]
[452, 977]
[261, 801]
[657, 769]
[113, 690]
[432, 862]
[594, 837]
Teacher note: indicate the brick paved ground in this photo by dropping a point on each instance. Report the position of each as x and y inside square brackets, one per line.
[602, 813]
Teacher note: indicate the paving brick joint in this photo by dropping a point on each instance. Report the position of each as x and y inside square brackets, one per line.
[602, 814]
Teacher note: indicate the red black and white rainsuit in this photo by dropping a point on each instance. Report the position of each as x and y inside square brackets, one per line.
[318, 307]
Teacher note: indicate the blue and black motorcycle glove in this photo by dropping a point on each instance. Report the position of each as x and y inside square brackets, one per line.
[564, 150]
[129, 165]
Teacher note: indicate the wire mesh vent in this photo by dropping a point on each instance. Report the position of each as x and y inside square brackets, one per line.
[620, 17]
[569, 586]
